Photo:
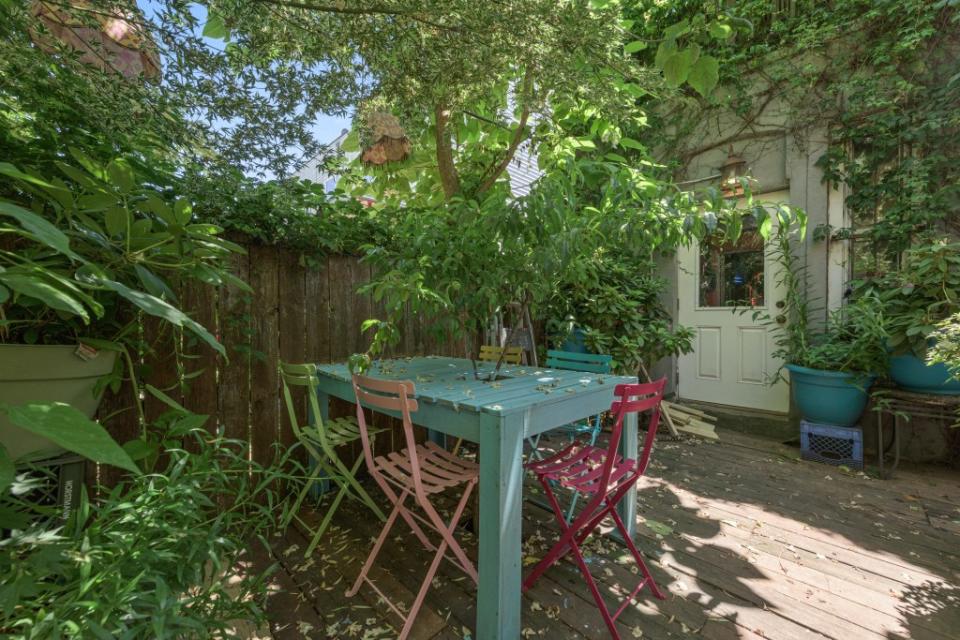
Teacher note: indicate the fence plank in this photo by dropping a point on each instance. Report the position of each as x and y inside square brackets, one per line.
[317, 287]
[292, 334]
[118, 415]
[159, 368]
[199, 361]
[344, 319]
[264, 426]
[235, 327]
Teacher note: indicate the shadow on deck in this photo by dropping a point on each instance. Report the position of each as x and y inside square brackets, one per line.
[749, 542]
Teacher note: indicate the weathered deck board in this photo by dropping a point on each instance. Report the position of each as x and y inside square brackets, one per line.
[758, 545]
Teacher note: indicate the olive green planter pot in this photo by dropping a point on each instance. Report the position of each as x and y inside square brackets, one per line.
[46, 373]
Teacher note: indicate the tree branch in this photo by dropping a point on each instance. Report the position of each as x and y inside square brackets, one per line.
[518, 137]
[737, 137]
[448, 171]
[359, 11]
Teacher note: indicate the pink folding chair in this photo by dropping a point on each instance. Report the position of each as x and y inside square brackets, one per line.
[419, 471]
[604, 476]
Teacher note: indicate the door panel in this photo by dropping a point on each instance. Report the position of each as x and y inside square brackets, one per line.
[709, 352]
[731, 363]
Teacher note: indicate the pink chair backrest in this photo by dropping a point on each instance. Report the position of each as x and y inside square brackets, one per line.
[389, 395]
[635, 398]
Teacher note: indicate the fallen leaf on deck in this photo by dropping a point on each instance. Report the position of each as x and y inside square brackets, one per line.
[659, 527]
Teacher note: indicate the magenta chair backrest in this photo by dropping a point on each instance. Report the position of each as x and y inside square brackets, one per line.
[636, 398]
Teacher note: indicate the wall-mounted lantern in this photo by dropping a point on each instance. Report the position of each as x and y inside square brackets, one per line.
[731, 171]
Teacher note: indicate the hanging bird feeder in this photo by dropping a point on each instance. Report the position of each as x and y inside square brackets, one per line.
[390, 142]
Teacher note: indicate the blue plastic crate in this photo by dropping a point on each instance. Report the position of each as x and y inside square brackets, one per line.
[831, 445]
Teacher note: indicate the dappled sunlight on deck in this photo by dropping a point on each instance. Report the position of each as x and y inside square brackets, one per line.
[746, 541]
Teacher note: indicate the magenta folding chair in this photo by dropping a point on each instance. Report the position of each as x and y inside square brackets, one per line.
[604, 476]
[419, 471]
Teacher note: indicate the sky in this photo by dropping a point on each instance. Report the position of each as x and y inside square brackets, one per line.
[325, 128]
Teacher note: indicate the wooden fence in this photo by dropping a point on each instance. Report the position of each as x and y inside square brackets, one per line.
[296, 313]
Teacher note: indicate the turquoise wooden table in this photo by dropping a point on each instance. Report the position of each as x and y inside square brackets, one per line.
[499, 416]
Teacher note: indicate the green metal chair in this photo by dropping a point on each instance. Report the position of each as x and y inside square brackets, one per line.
[320, 440]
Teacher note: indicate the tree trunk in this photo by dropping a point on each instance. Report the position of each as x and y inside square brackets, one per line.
[448, 171]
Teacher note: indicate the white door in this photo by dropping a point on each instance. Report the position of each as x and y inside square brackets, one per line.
[731, 362]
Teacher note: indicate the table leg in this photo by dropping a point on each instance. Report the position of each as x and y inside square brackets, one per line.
[628, 448]
[438, 438]
[323, 401]
[501, 491]
[896, 445]
[880, 443]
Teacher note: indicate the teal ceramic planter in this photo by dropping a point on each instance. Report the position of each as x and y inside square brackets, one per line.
[829, 397]
[576, 342]
[913, 374]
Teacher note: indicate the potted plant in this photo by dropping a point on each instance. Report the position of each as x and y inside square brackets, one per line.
[80, 255]
[923, 293]
[830, 375]
[946, 346]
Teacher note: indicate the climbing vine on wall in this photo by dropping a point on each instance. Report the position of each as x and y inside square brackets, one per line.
[879, 77]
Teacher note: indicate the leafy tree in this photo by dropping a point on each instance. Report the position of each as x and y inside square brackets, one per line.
[472, 83]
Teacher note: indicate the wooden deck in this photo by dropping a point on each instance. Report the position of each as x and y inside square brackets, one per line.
[750, 543]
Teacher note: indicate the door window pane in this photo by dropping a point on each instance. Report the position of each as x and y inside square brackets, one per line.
[731, 275]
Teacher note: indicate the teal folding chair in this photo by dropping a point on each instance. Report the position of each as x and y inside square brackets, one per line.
[320, 439]
[591, 428]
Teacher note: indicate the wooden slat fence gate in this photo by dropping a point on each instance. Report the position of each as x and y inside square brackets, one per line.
[296, 313]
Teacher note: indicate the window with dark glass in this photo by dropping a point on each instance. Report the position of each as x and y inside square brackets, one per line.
[731, 274]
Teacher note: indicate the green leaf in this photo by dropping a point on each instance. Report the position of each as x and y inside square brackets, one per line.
[630, 143]
[720, 30]
[165, 399]
[674, 31]
[234, 281]
[70, 429]
[116, 220]
[139, 449]
[157, 307]
[121, 175]
[704, 75]
[766, 225]
[42, 230]
[7, 471]
[96, 201]
[4, 294]
[87, 163]
[659, 527]
[215, 28]
[636, 45]
[154, 283]
[43, 291]
[665, 51]
[8, 169]
[183, 211]
[677, 67]
[159, 208]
